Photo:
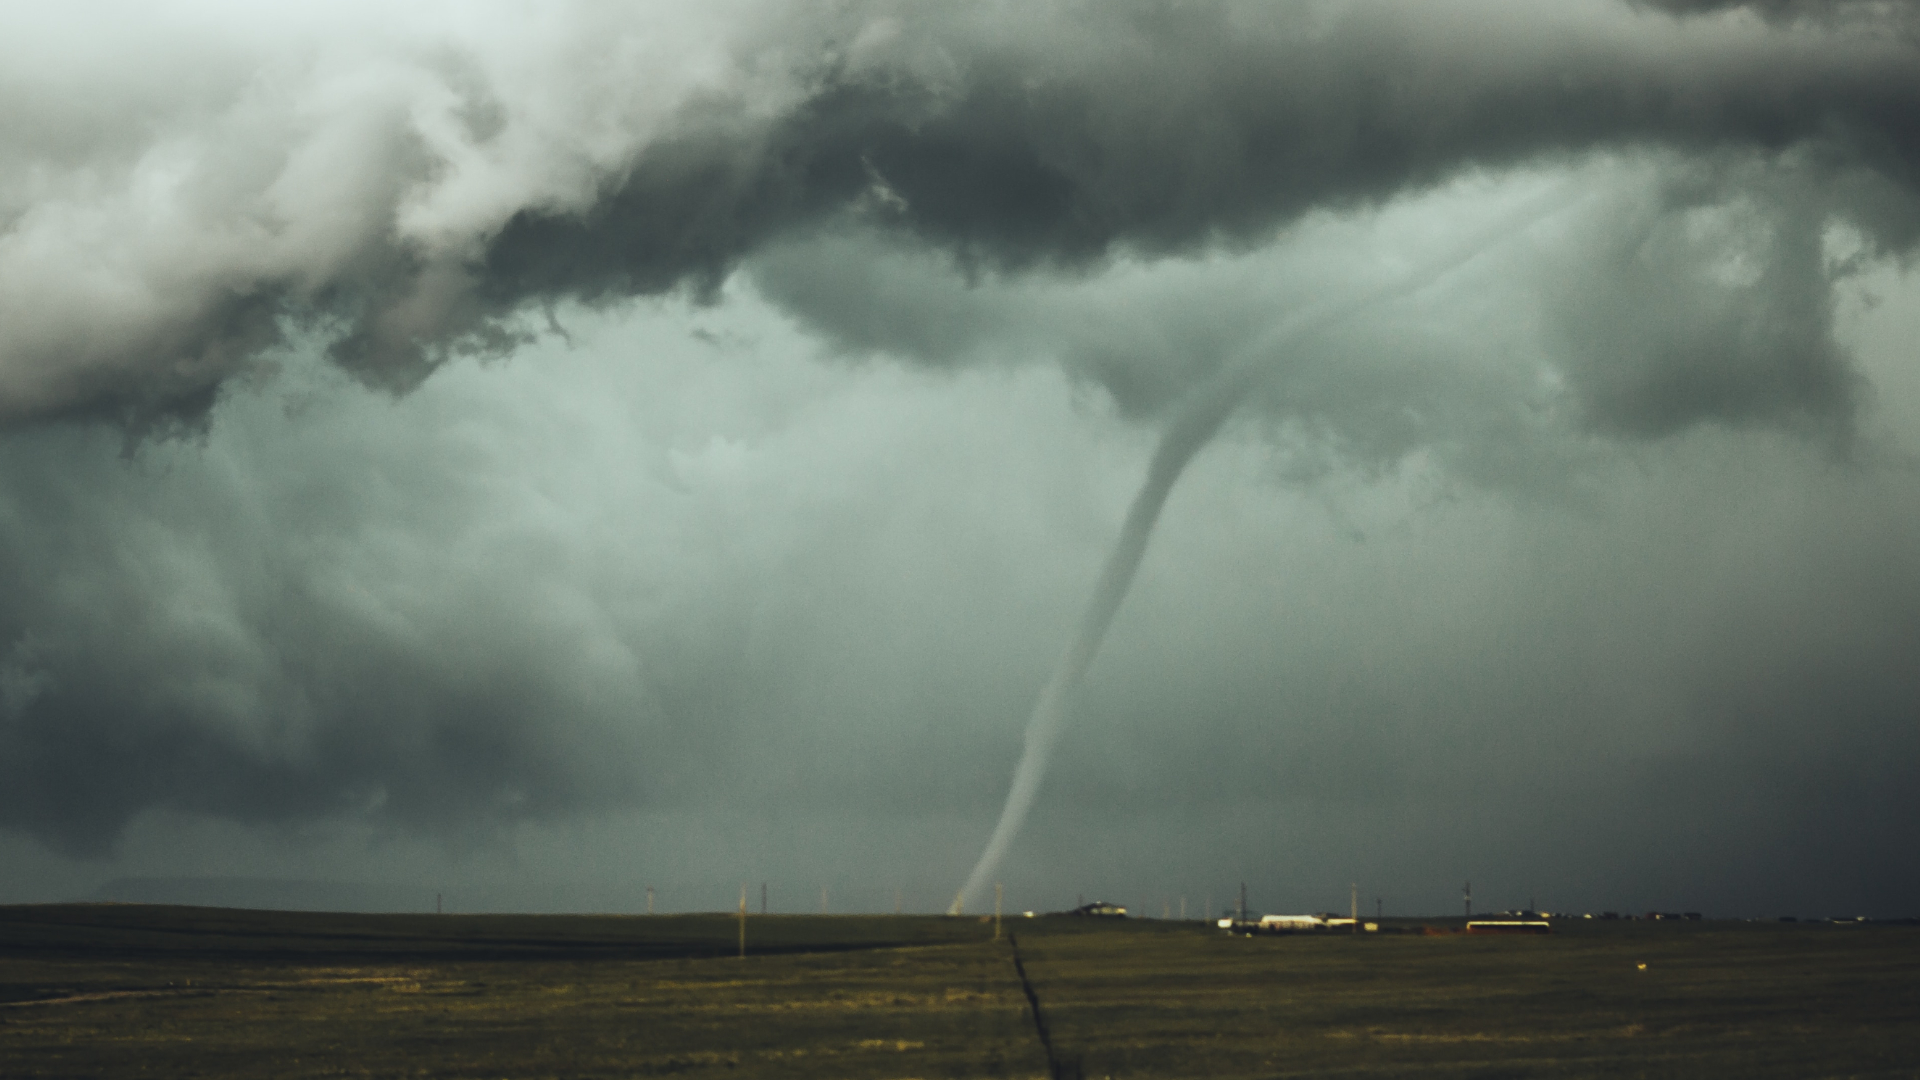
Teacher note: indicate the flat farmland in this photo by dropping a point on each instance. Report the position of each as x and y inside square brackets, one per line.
[126, 990]
[1714, 999]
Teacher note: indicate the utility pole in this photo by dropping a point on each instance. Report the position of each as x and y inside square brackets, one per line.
[996, 911]
[1467, 895]
[1354, 900]
[1379, 909]
[743, 920]
[823, 899]
[1243, 902]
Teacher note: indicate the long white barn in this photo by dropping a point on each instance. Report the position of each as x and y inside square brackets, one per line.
[1279, 922]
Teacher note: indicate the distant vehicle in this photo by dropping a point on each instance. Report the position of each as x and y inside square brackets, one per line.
[1100, 909]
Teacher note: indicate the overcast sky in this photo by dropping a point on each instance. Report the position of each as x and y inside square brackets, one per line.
[534, 452]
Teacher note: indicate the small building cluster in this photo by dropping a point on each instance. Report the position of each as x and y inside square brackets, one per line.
[1294, 924]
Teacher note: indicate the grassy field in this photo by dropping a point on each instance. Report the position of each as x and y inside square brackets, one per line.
[1713, 1000]
[123, 990]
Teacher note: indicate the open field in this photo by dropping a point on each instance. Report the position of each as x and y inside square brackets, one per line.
[122, 990]
[1714, 1000]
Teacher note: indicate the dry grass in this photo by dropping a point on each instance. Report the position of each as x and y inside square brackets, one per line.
[178, 992]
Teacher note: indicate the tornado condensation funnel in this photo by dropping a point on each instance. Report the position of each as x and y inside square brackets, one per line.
[1198, 419]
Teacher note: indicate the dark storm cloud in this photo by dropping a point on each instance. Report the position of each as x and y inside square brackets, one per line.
[325, 624]
[1048, 138]
[927, 183]
[1703, 302]
[1160, 132]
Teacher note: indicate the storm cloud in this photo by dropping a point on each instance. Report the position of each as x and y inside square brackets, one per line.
[412, 197]
[831, 344]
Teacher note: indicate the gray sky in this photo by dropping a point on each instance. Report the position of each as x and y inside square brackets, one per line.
[532, 456]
